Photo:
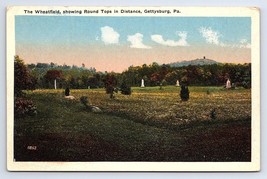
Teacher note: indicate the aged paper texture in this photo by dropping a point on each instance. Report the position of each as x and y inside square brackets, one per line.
[133, 88]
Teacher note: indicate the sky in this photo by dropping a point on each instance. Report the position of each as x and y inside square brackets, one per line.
[115, 43]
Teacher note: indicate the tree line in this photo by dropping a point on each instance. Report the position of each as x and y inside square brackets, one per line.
[204, 75]
[43, 75]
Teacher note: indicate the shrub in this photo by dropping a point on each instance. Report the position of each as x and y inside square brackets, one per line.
[184, 93]
[125, 89]
[111, 90]
[24, 107]
[213, 114]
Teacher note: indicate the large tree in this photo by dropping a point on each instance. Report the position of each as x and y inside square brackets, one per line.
[22, 78]
[110, 84]
[52, 75]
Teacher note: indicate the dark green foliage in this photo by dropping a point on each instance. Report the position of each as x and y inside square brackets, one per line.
[153, 74]
[125, 89]
[213, 114]
[184, 93]
[164, 83]
[246, 84]
[23, 78]
[74, 77]
[206, 75]
[110, 85]
[93, 82]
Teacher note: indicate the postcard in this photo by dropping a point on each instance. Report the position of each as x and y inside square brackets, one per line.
[133, 88]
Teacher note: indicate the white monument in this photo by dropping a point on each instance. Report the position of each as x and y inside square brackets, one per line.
[142, 83]
[177, 83]
[228, 84]
[55, 83]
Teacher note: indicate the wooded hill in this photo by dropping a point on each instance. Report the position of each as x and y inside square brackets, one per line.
[195, 62]
[42, 75]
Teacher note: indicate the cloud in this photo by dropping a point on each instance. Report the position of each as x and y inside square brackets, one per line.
[181, 42]
[109, 35]
[243, 43]
[211, 36]
[136, 41]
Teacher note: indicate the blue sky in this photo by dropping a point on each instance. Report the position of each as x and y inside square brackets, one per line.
[188, 34]
[36, 29]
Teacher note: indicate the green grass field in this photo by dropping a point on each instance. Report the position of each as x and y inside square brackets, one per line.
[149, 125]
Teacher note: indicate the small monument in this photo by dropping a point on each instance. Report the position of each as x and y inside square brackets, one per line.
[177, 83]
[55, 83]
[95, 109]
[67, 92]
[228, 84]
[142, 83]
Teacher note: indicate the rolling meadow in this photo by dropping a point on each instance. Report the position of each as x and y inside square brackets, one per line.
[151, 124]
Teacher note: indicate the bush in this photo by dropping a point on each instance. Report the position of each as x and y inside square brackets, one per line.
[111, 90]
[184, 93]
[213, 114]
[125, 89]
[24, 107]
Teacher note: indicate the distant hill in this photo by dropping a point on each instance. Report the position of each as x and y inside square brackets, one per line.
[199, 62]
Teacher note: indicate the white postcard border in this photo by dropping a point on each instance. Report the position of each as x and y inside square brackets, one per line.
[254, 165]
